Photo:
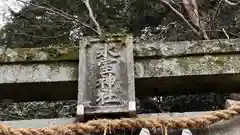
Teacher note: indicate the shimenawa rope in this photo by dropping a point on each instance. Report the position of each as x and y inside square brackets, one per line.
[111, 125]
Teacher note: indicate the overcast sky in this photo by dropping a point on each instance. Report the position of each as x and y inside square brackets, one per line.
[4, 9]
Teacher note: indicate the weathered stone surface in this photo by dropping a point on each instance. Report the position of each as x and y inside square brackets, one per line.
[51, 72]
[40, 54]
[170, 49]
[159, 49]
[230, 103]
[150, 76]
[156, 68]
[150, 73]
[192, 65]
[106, 77]
[67, 71]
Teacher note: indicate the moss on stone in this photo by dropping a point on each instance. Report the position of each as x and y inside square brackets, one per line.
[168, 49]
[220, 61]
[39, 54]
[63, 53]
[192, 65]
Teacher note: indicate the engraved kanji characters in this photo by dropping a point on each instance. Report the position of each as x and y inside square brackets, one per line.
[107, 78]
[107, 81]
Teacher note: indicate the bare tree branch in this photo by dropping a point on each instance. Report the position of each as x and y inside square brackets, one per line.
[225, 33]
[216, 11]
[180, 15]
[63, 14]
[231, 3]
[217, 30]
[86, 2]
[192, 10]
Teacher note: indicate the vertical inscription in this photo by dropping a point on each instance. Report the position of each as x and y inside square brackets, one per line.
[106, 76]
[106, 59]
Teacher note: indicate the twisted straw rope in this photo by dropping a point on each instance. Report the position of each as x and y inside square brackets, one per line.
[109, 125]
